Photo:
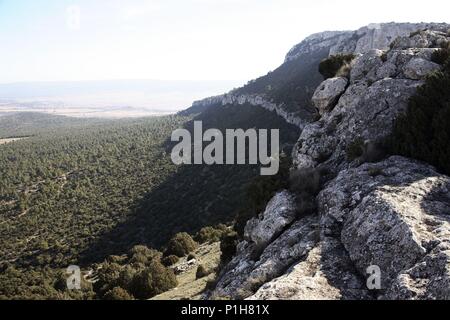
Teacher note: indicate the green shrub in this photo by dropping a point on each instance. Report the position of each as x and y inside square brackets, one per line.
[139, 258]
[191, 256]
[144, 250]
[107, 277]
[152, 281]
[415, 33]
[180, 245]
[228, 247]
[442, 55]
[170, 260]
[117, 293]
[117, 259]
[305, 184]
[423, 132]
[211, 284]
[126, 276]
[210, 234]
[201, 272]
[374, 172]
[355, 149]
[338, 65]
[305, 181]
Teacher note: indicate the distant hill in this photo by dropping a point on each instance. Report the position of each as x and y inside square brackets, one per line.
[155, 95]
[31, 123]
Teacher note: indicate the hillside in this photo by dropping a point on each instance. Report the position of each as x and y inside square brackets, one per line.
[76, 191]
[379, 223]
[363, 118]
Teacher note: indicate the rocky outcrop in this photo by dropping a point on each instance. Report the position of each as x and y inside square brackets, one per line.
[254, 100]
[362, 41]
[320, 41]
[376, 217]
[419, 68]
[381, 83]
[395, 215]
[374, 36]
[328, 93]
[280, 212]
[326, 273]
[429, 37]
[252, 266]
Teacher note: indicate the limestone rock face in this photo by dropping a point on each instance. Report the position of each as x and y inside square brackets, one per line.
[327, 273]
[363, 112]
[252, 266]
[396, 215]
[374, 36]
[254, 100]
[374, 211]
[381, 83]
[280, 212]
[370, 43]
[328, 93]
[423, 38]
[419, 68]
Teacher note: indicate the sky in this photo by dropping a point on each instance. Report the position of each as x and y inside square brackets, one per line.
[74, 40]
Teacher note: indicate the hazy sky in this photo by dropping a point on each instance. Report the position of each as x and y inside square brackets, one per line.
[53, 40]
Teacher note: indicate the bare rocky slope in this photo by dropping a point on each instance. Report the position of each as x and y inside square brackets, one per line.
[392, 214]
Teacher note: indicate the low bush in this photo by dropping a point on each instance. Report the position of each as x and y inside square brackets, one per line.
[355, 149]
[305, 181]
[375, 172]
[155, 279]
[191, 256]
[228, 247]
[442, 55]
[305, 184]
[423, 132]
[169, 260]
[337, 65]
[117, 293]
[180, 245]
[201, 272]
[366, 151]
[107, 277]
[210, 234]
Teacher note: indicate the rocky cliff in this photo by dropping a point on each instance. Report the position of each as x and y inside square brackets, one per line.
[382, 225]
[302, 63]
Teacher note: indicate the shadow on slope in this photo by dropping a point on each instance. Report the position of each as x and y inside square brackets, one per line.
[194, 196]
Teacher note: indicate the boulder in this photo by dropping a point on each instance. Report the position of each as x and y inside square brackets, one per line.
[395, 215]
[328, 93]
[364, 113]
[419, 68]
[252, 267]
[326, 274]
[425, 38]
[280, 212]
